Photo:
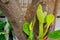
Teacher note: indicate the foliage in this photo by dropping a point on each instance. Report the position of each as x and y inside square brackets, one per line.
[2, 24]
[42, 18]
[5, 29]
[26, 28]
[2, 33]
[31, 37]
[49, 19]
[2, 37]
[54, 35]
[40, 14]
[11, 33]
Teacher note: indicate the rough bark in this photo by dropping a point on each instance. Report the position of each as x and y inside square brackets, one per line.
[31, 10]
[14, 14]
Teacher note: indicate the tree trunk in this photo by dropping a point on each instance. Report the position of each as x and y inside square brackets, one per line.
[12, 10]
[15, 16]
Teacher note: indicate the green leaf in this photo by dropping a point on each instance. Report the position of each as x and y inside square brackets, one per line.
[2, 37]
[10, 26]
[26, 28]
[45, 14]
[3, 33]
[2, 24]
[40, 14]
[1, 12]
[54, 35]
[31, 36]
[50, 19]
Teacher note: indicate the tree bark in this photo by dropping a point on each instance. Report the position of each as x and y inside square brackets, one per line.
[13, 12]
[31, 10]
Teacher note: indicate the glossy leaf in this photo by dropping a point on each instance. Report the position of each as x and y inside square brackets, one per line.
[2, 37]
[50, 19]
[2, 24]
[40, 14]
[55, 34]
[31, 36]
[26, 28]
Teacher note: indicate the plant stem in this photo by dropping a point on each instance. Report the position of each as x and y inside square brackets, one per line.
[46, 30]
[31, 36]
[40, 31]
